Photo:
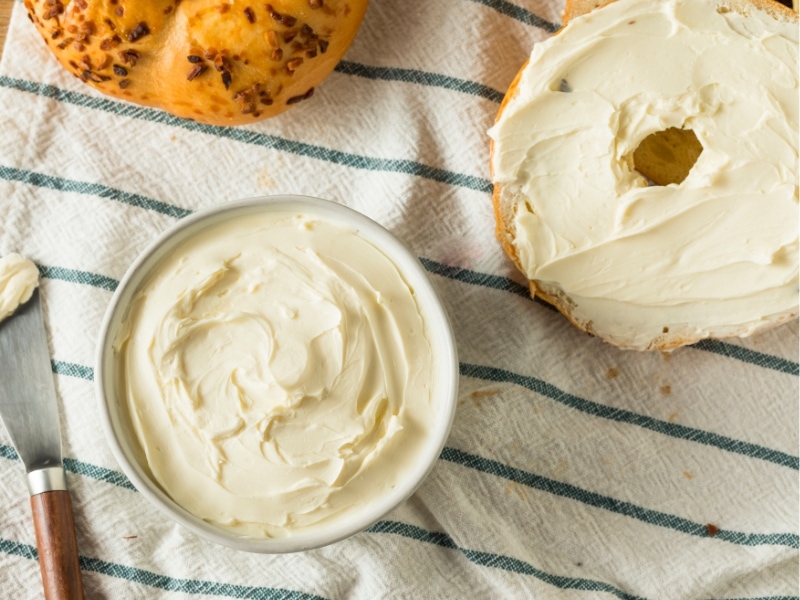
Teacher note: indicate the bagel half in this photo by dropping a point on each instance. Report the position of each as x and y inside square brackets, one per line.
[620, 322]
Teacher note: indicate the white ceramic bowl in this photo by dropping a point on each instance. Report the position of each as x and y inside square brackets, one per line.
[113, 406]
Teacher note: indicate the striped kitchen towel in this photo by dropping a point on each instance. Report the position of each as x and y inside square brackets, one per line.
[574, 470]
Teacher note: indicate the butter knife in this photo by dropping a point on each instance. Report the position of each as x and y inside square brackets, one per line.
[29, 410]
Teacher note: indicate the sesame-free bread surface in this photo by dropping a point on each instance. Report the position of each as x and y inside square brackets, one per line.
[217, 62]
[664, 160]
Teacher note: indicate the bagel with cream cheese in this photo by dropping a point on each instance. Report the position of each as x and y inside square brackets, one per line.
[644, 163]
[222, 62]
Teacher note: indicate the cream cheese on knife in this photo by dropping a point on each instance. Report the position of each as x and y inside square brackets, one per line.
[18, 278]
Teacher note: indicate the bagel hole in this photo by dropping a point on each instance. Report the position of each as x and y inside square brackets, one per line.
[667, 156]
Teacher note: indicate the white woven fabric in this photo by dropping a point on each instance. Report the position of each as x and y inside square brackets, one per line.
[574, 470]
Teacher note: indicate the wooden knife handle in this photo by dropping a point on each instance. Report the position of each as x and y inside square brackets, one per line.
[58, 548]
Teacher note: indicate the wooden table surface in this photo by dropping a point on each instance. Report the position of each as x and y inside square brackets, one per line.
[5, 15]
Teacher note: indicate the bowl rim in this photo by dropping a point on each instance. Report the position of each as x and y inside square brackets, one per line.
[439, 330]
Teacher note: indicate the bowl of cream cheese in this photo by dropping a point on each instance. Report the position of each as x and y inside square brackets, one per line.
[276, 374]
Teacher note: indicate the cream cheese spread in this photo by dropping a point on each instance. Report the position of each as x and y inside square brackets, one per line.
[716, 254]
[18, 278]
[274, 367]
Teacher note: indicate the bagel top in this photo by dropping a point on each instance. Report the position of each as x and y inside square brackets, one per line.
[222, 62]
[656, 266]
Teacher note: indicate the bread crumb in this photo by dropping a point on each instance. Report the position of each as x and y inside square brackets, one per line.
[485, 393]
[516, 488]
[265, 180]
[559, 470]
[612, 373]
[666, 389]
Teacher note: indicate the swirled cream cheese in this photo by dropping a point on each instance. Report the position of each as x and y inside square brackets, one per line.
[18, 278]
[714, 255]
[278, 373]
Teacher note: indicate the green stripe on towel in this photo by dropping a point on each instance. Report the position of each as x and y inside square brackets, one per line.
[164, 582]
[589, 407]
[651, 517]
[498, 469]
[498, 561]
[450, 272]
[620, 415]
[520, 14]
[505, 284]
[245, 136]
[94, 189]
[82, 277]
[425, 78]
[79, 467]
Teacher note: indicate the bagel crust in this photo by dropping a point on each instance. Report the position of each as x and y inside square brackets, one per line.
[640, 265]
[221, 62]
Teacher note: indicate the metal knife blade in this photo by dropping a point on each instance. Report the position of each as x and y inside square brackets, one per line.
[29, 410]
[28, 405]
